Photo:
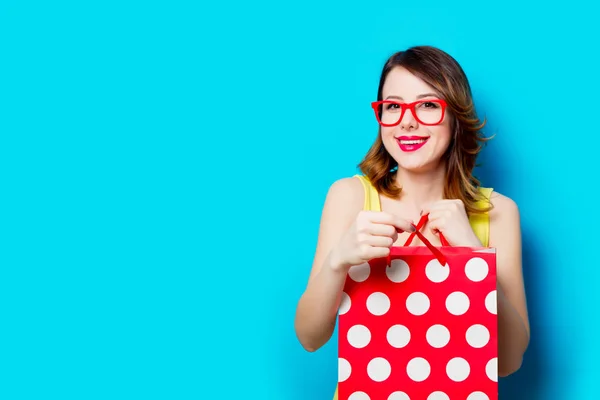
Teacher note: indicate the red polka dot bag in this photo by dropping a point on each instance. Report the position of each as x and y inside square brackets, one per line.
[420, 325]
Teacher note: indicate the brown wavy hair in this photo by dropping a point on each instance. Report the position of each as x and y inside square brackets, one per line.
[442, 72]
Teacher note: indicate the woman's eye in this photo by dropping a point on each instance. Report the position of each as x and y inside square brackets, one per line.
[429, 104]
[391, 106]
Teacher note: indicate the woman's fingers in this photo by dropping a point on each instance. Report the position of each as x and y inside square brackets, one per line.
[390, 219]
[382, 230]
[380, 241]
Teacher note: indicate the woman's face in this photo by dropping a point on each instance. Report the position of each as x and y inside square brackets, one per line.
[415, 147]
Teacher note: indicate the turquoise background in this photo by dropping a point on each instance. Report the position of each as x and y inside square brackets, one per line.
[163, 167]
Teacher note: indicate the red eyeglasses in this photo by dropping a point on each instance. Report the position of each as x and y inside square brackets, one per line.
[426, 112]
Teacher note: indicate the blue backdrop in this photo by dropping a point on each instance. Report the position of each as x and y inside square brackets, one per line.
[164, 164]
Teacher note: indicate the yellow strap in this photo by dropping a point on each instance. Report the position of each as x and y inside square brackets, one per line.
[481, 222]
[371, 196]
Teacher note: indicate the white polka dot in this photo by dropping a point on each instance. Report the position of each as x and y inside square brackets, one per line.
[478, 336]
[436, 272]
[398, 396]
[344, 304]
[359, 396]
[438, 396]
[378, 303]
[457, 303]
[476, 269]
[379, 369]
[491, 369]
[398, 271]
[418, 369]
[417, 303]
[458, 369]
[491, 302]
[360, 273]
[359, 336]
[398, 336]
[344, 369]
[478, 396]
[438, 336]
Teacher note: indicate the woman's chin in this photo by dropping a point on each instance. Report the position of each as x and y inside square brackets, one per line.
[416, 166]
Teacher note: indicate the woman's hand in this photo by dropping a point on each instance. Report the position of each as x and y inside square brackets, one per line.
[449, 218]
[370, 236]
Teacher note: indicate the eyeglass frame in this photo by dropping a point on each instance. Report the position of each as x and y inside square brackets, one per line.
[411, 107]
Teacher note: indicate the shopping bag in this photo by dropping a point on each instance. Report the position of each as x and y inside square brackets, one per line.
[420, 324]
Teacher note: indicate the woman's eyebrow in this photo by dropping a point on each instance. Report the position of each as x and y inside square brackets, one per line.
[418, 97]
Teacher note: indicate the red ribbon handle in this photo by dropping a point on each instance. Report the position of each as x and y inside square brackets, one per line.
[438, 254]
[419, 226]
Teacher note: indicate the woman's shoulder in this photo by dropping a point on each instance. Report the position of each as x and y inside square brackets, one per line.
[347, 193]
[348, 187]
[347, 183]
[504, 209]
[502, 204]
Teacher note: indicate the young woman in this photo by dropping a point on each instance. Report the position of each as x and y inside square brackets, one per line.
[420, 163]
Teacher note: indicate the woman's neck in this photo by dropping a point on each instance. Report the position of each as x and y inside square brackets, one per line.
[419, 189]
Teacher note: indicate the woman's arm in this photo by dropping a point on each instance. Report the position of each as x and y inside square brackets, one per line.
[513, 322]
[317, 308]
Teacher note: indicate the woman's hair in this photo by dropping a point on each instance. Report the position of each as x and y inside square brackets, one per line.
[440, 71]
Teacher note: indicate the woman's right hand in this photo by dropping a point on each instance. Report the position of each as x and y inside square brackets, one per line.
[370, 236]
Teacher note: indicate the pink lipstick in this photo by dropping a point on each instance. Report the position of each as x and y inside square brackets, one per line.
[411, 143]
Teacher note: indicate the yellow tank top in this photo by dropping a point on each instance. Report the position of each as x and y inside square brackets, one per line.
[479, 222]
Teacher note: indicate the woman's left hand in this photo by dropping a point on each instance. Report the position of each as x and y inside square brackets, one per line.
[449, 218]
